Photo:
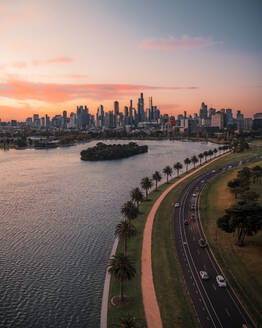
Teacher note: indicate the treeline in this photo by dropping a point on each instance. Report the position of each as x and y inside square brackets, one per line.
[103, 152]
[245, 217]
[121, 266]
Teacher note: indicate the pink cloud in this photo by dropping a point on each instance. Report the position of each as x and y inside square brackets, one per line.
[55, 60]
[19, 65]
[172, 43]
[56, 93]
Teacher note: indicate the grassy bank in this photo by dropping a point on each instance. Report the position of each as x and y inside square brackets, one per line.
[242, 265]
[175, 305]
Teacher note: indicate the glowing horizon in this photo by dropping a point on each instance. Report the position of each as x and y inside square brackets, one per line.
[85, 53]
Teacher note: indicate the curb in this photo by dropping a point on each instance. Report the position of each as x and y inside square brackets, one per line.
[104, 306]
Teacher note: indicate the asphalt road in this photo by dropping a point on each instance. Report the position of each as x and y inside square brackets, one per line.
[215, 306]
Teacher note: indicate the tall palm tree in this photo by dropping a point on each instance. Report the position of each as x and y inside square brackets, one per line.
[146, 184]
[125, 230]
[129, 210]
[215, 151]
[205, 155]
[122, 269]
[157, 177]
[167, 171]
[187, 161]
[129, 321]
[194, 160]
[200, 156]
[136, 196]
[178, 166]
[210, 153]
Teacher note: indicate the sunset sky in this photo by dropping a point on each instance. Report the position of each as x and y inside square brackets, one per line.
[59, 54]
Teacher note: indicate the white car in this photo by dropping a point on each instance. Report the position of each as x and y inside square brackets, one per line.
[221, 281]
[177, 204]
[194, 195]
[204, 275]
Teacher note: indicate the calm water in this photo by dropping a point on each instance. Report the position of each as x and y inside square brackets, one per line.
[57, 221]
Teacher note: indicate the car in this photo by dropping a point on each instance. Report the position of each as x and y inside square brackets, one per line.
[202, 243]
[193, 207]
[177, 204]
[204, 275]
[213, 171]
[221, 281]
[230, 166]
[193, 217]
[186, 222]
[202, 181]
[194, 195]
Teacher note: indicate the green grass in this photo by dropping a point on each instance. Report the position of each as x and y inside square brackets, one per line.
[169, 284]
[242, 265]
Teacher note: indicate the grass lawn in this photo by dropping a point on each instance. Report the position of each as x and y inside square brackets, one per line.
[169, 283]
[242, 265]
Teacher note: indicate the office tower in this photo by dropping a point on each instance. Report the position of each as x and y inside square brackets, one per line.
[239, 115]
[203, 111]
[47, 121]
[131, 112]
[140, 108]
[116, 108]
[217, 120]
[211, 111]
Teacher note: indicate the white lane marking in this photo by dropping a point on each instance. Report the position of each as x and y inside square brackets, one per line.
[227, 312]
[214, 286]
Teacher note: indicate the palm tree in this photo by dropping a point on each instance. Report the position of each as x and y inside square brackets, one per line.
[168, 172]
[125, 230]
[200, 156]
[136, 196]
[205, 155]
[122, 269]
[157, 177]
[129, 210]
[129, 321]
[146, 184]
[187, 161]
[215, 151]
[178, 166]
[194, 160]
[210, 153]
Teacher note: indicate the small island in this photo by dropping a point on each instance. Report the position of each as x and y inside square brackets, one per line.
[103, 152]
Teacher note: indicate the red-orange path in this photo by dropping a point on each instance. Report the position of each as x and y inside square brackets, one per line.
[151, 308]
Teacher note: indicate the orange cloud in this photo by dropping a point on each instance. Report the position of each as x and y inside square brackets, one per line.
[55, 93]
[55, 60]
[172, 43]
[19, 65]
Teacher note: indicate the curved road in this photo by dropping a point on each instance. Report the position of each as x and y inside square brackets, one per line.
[215, 306]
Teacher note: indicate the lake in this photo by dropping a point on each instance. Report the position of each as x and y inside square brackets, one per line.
[57, 221]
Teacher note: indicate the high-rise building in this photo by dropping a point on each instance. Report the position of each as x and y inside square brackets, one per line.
[217, 120]
[203, 111]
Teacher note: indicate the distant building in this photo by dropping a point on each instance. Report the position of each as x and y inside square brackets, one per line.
[217, 120]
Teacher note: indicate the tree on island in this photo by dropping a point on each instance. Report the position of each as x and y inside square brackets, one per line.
[157, 177]
[146, 184]
[167, 171]
[178, 166]
[121, 268]
[187, 161]
[244, 218]
[200, 156]
[129, 210]
[125, 230]
[137, 196]
[194, 160]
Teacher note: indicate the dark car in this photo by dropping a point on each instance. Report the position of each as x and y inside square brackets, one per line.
[202, 243]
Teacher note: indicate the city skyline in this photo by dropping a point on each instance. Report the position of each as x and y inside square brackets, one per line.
[55, 57]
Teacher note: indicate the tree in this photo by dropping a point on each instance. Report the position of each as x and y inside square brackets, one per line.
[194, 160]
[256, 173]
[146, 184]
[122, 269]
[215, 151]
[157, 177]
[200, 156]
[136, 196]
[238, 186]
[178, 166]
[249, 196]
[187, 161]
[210, 153]
[129, 210]
[167, 171]
[205, 155]
[129, 321]
[125, 230]
[244, 218]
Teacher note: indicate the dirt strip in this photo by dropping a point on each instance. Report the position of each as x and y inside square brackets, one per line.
[151, 308]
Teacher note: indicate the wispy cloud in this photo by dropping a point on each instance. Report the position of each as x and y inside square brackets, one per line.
[171, 43]
[55, 60]
[19, 64]
[56, 93]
